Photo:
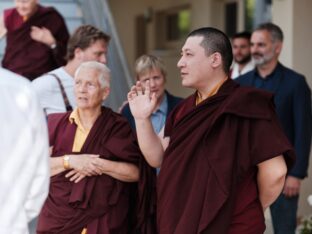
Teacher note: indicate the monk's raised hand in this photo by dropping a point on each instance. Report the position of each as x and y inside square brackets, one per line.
[139, 88]
[141, 101]
[136, 90]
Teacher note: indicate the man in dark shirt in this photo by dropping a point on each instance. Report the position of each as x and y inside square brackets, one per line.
[292, 97]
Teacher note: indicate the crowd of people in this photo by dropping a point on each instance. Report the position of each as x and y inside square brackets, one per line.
[212, 162]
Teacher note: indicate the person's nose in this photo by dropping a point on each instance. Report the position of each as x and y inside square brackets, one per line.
[103, 59]
[152, 82]
[82, 88]
[253, 49]
[180, 63]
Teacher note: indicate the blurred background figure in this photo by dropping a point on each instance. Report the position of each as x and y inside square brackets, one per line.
[241, 54]
[151, 68]
[56, 88]
[24, 169]
[36, 38]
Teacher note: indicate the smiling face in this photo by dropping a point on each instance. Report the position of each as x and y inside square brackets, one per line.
[194, 64]
[88, 91]
[26, 8]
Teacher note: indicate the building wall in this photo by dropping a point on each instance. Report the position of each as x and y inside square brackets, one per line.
[203, 13]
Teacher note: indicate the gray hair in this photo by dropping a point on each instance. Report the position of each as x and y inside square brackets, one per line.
[274, 30]
[102, 69]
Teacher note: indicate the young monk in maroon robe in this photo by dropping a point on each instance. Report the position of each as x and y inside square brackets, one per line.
[224, 156]
[36, 39]
[100, 182]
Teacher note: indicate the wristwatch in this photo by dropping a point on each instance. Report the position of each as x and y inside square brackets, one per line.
[66, 162]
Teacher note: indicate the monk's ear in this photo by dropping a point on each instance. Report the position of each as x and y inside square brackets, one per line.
[216, 60]
[105, 93]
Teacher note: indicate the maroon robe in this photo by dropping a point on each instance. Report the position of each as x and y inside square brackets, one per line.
[26, 56]
[101, 203]
[207, 182]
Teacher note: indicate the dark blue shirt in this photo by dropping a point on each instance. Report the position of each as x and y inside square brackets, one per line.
[270, 82]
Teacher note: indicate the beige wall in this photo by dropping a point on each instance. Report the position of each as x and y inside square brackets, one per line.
[283, 16]
[203, 13]
[302, 38]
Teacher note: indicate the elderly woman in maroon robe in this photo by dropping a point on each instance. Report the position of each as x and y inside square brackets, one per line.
[36, 38]
[100, 182]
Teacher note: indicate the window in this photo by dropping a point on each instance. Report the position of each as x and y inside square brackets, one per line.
[178, 25]
[172, 26]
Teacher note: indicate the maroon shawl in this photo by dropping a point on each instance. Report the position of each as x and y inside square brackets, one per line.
[213, 146]
[101, 203]
[30, 58]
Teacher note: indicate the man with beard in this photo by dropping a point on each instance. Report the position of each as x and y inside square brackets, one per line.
[241, 54]
[292, 97]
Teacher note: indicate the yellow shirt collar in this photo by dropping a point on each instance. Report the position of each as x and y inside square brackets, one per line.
[74, 118]
[214, 91]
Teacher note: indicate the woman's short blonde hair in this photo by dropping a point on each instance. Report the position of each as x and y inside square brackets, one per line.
[147, 63]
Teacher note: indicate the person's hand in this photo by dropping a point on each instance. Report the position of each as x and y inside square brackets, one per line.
[292, 186]
[75, 176]
[42, 35]
[85, 164]
[141, 101]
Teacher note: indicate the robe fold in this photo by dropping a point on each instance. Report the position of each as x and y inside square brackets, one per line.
[211, 162]
[101, 203]
[30, 58]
